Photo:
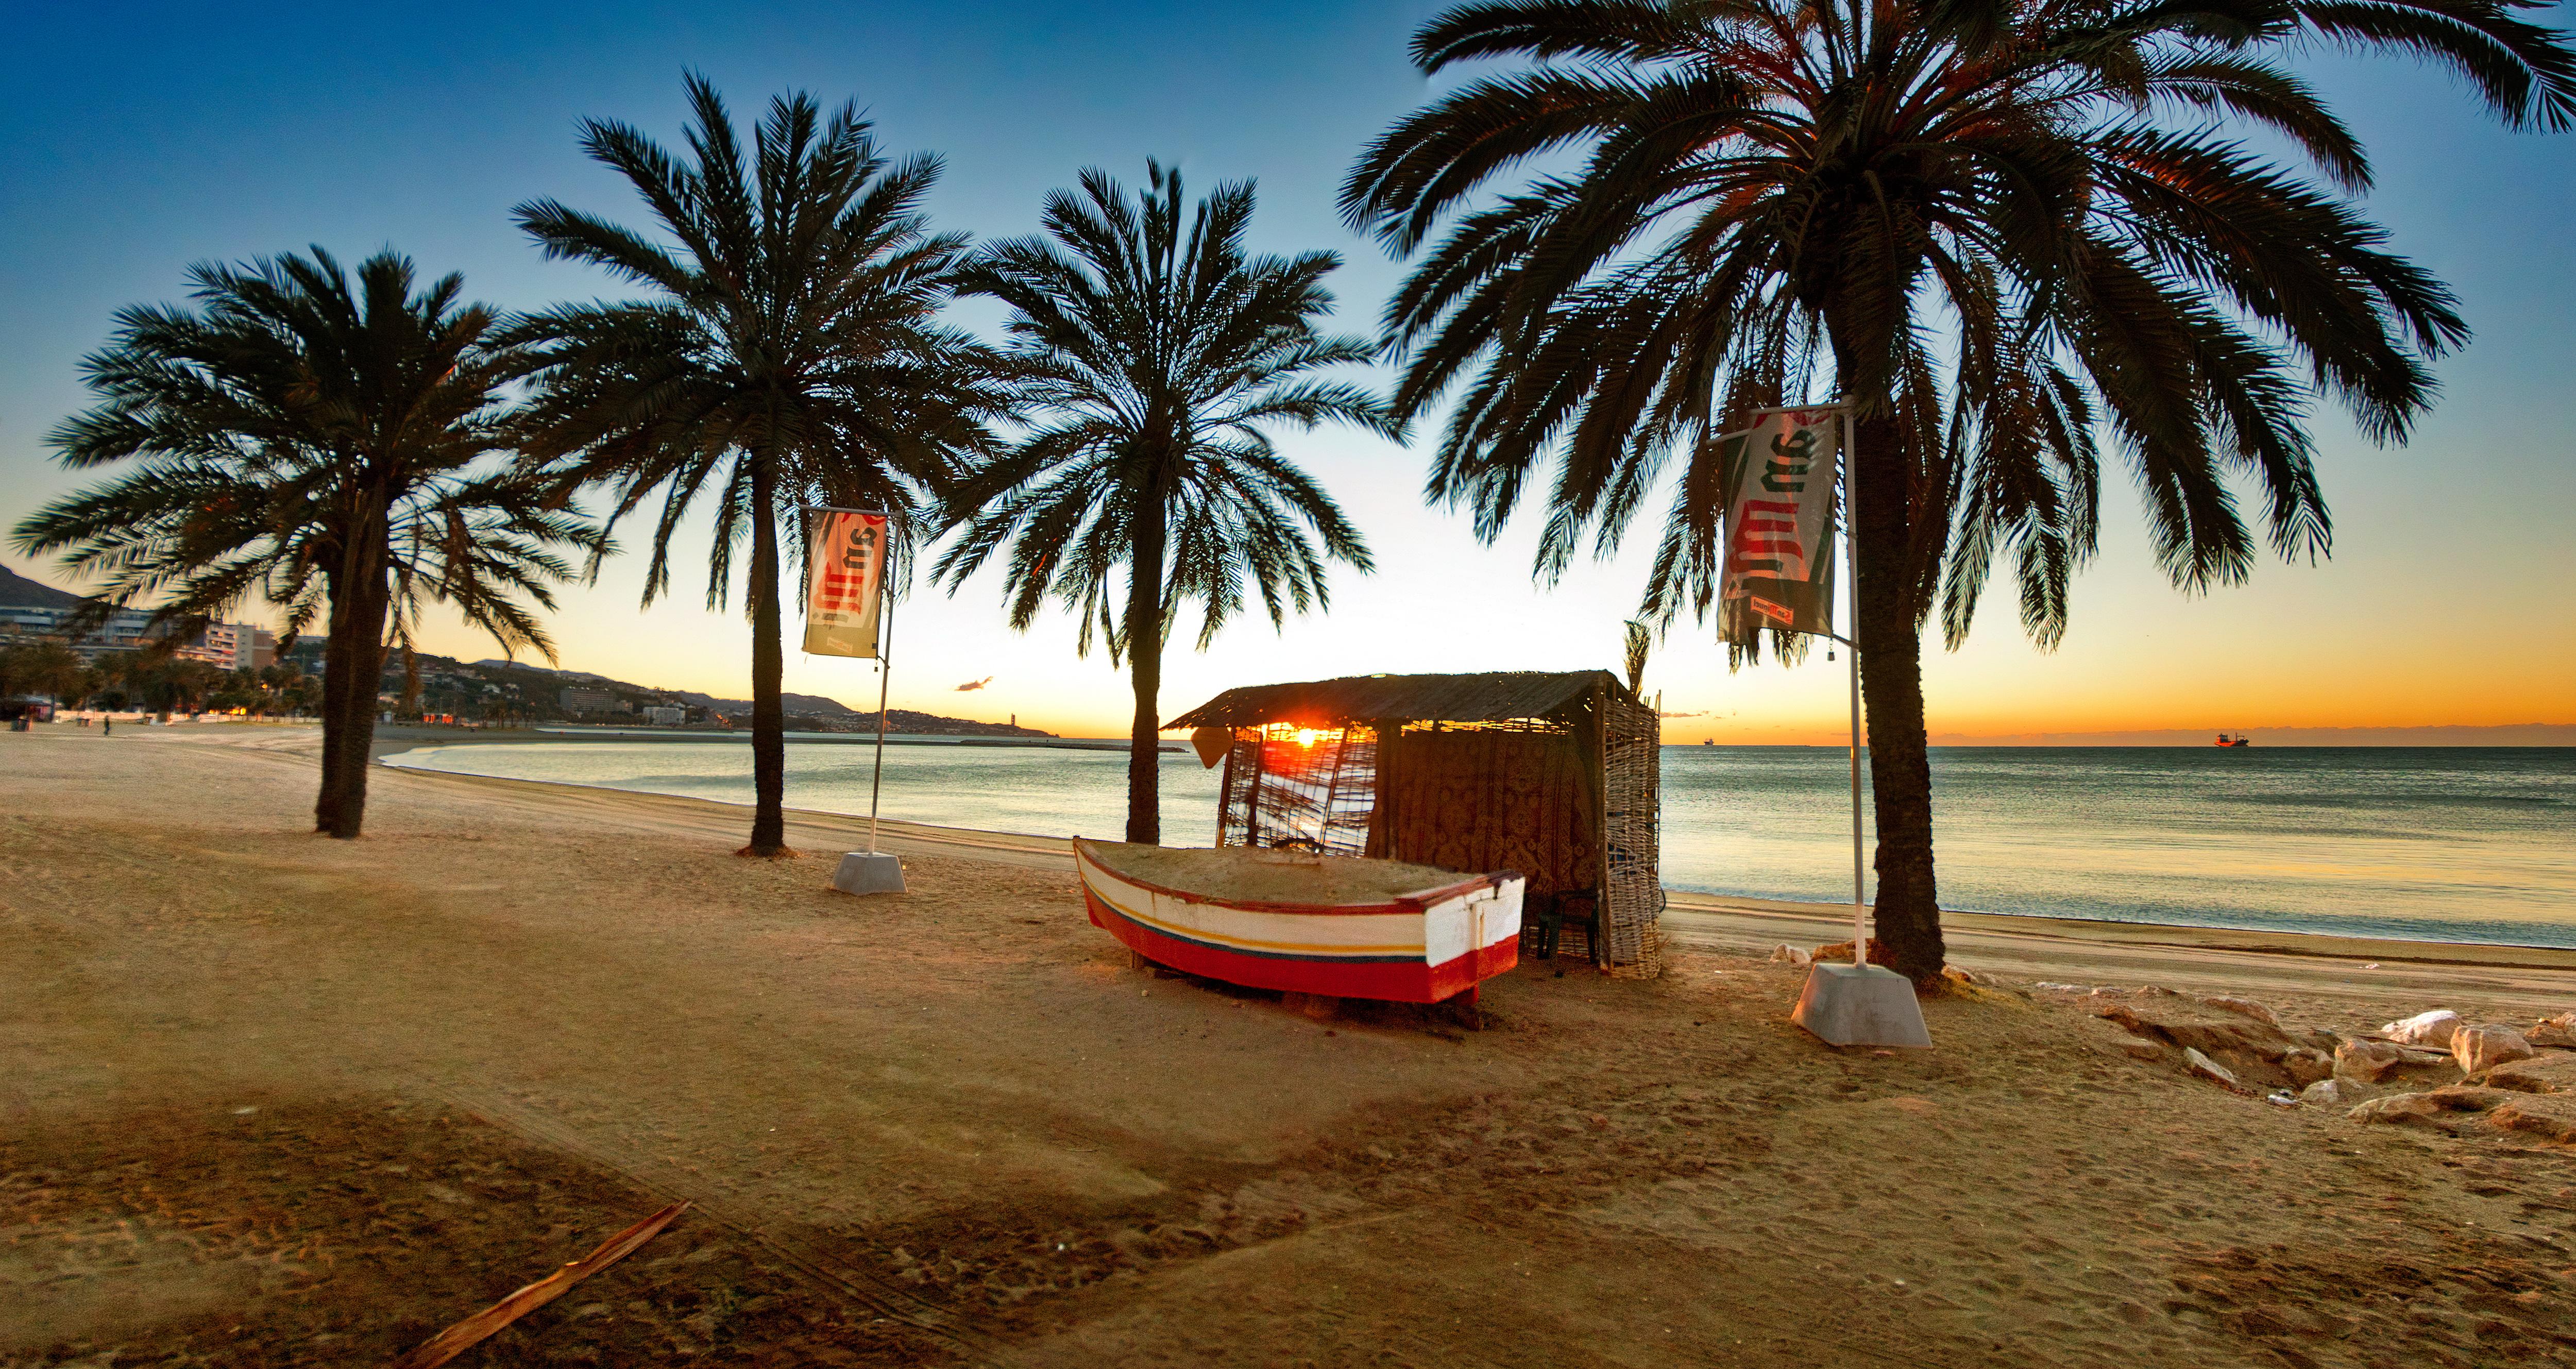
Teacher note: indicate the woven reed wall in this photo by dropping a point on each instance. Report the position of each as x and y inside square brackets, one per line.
[1570, 801]
[1633, 775]
[1487, 798]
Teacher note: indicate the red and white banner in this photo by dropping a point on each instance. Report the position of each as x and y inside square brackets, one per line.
[844, 583]
[1779, 570]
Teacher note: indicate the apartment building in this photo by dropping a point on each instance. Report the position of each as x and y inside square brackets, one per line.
[30, 608]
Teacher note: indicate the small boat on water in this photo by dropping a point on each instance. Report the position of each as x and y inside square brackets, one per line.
[1339, 926]
[2225, 740]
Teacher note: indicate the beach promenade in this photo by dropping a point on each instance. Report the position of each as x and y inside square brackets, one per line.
[271, 1099]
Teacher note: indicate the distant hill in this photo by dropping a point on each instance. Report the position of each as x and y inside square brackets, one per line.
[532, 688]
[17, 591]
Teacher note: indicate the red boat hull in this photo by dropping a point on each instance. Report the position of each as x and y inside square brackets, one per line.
[1398, 981]
[1425, 946]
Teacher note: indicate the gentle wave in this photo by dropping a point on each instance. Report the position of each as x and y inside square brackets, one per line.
[2441, 844]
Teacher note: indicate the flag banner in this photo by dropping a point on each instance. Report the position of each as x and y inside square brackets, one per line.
[1779, 481]
[844, 583]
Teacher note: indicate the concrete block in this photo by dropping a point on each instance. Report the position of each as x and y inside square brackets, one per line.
[869, 872]
[1861, 1005]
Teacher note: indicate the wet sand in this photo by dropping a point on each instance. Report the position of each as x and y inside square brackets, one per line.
[271, 1099]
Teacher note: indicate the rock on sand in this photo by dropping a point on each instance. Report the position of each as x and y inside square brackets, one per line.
[2549, 1117]
[2438, 1107]
[2545, 1072]
[2246, 1006]
[2209, 1069]
[2371, 1061]
[2433, 1029]
[2461, 1109]
[2557, 1031]
[2197, 1025]
[2307, 1065]
[2238, 1037]
[2484, 1048]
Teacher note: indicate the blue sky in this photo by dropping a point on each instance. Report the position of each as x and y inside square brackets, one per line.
[144, 138]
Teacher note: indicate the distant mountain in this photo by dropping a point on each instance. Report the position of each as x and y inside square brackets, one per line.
[582, 675]
[17, 591]
[812, 705]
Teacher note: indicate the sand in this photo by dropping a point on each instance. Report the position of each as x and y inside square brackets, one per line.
[270, 1099]
[1273, 876]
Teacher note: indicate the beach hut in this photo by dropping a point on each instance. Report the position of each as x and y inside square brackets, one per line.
[1554, 775]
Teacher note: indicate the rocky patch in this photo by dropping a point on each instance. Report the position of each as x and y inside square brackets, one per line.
[2543, 1072]
[2247, 1046]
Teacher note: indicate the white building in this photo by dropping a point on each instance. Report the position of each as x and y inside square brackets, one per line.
[32, 608]
[665, 715]
[578, 701]
[232, 646]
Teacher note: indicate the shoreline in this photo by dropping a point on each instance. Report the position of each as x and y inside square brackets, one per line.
[2079, 953]
[1795, 919]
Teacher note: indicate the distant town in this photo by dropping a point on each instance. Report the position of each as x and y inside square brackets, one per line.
[514, 691]
[61, 650]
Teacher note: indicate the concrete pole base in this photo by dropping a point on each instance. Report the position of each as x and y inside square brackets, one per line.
[869, 872]
[1861, 1005]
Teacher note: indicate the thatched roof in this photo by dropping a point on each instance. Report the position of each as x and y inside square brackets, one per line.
[1414, 698]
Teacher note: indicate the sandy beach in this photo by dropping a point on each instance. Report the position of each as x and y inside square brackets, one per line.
[271, 1099]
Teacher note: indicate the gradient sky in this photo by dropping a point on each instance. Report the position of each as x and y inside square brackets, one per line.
[143, 138]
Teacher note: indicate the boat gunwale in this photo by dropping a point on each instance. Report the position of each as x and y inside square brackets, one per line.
[1416, 903]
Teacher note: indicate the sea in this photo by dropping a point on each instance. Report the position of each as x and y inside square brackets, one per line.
[2436, 843]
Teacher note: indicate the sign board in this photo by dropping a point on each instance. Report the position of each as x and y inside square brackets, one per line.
[1779, 480]
[844, 583]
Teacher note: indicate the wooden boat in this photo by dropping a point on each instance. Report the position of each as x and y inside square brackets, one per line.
[1340, 926]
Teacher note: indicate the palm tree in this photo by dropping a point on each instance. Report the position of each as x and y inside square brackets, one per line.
[1154, 357]
[1768, 200]
[320, 444]
[790, 355]
[40, 667]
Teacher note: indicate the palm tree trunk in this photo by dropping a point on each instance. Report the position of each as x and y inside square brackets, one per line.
[335, 686]
[371, 603]
[1908, 911]
[1145, 671]
[768, 665]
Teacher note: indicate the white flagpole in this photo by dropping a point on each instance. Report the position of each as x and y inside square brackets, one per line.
[1851, 555]
[885, 672]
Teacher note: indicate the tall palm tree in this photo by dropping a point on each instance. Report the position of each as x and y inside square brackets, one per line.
[789, 354]
[1153, 355]
[1754, 201]
[322, 444]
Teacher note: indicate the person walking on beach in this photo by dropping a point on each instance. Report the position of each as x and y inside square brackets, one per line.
[106, 726]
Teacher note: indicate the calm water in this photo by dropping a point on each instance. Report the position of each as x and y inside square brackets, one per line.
[2446, 844]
